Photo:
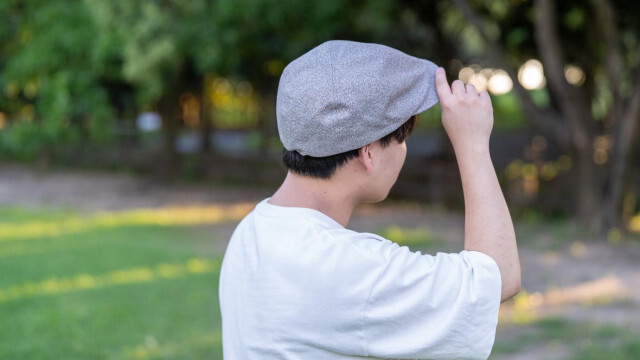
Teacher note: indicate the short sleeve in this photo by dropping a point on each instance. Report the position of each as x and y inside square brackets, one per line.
[443, 306]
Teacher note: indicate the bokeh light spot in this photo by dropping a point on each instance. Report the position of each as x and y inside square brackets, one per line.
[531, 75]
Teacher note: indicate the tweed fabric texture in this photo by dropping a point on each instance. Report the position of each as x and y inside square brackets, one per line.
[342, 95]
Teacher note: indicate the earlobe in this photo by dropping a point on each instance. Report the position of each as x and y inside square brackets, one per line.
[366, 158]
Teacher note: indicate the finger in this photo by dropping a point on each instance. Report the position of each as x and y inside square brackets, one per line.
[442, 86]
[484, 95]
[457, 87]
[471, 89]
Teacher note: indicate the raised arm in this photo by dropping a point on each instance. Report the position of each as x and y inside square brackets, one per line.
[467, 118]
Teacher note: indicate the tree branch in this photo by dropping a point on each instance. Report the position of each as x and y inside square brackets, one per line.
[606, 25]
[549, 48]
[546, 120]
[572, 101]
[630, 120]
[624, 143]
[605, 21]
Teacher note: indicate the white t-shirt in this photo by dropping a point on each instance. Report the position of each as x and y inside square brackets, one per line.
[295, 284]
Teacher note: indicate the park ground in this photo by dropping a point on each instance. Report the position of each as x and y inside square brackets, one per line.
[105, 265]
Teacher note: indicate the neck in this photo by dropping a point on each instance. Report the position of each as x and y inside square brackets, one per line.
[330, 198]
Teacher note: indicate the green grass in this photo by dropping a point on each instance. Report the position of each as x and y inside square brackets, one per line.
[419, 238]
[105, 293]
[17, 214]
[98, 292]
[583, 341]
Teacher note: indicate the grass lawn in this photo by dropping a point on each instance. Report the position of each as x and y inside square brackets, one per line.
[82, 287]
[576, 341]
[143, 284]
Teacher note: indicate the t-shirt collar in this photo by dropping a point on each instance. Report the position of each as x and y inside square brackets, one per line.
[264, 207]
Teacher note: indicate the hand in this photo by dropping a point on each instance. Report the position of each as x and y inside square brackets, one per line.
[467, 116]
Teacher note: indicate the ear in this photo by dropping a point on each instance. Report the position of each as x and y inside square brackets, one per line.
[365, 157]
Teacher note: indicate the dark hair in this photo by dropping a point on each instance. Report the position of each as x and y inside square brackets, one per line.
[325, 167]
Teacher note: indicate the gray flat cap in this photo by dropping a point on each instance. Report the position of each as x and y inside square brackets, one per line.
[342, 95]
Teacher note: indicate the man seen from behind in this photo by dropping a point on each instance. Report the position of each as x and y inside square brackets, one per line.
[296, 283]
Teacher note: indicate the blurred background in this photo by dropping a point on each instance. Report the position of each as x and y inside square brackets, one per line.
[135, 135]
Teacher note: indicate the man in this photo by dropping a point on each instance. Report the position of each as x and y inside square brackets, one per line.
[296, 284]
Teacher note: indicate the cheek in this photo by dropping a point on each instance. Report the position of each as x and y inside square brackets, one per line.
[396, 161]
[402, 156]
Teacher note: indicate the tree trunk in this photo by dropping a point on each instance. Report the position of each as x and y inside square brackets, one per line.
[44, 160]
[169, 109]
[205, 134]
[205, 127]
[614, 193]
[266, 122]
[629, 200]
[603, 199]
[588, 199]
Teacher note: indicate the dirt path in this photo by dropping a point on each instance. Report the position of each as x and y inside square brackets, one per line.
[574, 278]
[99, 191]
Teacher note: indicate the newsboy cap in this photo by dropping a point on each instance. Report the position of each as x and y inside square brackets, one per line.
[342, 95]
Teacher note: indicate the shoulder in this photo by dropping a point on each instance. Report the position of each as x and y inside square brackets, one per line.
[364, 243]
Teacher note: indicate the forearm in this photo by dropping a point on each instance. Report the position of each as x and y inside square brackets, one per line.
[467, 117]
[488, 225]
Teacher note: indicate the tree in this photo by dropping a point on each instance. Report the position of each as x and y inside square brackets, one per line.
[600, 36]
[51, 77]
[169, 47]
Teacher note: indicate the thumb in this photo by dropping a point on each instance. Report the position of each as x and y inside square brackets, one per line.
[442, 86]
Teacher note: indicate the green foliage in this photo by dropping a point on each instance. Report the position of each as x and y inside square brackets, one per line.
[64, 64]
[507, 112]
[575, 18]
[146, 38]
[156, 40]
[48, 77]
[26, 139]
